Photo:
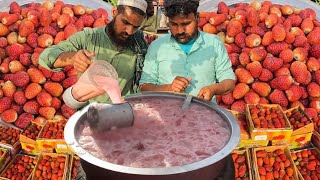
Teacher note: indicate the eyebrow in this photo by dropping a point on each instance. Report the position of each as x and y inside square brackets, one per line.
[126, 21]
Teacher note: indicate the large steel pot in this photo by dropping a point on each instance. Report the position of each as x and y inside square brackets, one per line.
[206, 169]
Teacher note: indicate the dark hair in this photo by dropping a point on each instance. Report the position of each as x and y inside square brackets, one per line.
[121, 9]
[173, 8]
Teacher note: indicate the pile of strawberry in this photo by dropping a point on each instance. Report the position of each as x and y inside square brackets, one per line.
[9, 135]
[50, 168]
[21, 168]
[274, 50]
[308, 163]
[241, 167]
[274, 165]
[267, 117]
[29, 92]
[297, 118]
[53, 130]
[32, 131]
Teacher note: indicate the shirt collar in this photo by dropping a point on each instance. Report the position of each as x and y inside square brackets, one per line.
[195, 46]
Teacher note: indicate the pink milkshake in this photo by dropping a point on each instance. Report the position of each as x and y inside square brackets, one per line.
[162, 136]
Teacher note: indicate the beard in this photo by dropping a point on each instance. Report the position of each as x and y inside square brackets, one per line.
[184, 38]
[120, 39]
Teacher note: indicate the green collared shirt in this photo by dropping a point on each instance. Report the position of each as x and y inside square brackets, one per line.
[206, 63]
[97, 41]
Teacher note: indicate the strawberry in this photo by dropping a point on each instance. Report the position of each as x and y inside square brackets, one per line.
[4, 67]
[48, 5]
[9, 115]
[227, 98]
[15, 66]
[300, 54]
[253, 40]
[31, 107]
[313, 37]
[272, 63]
[251, 98]
[67, 111]
[56, 103]
[12, 38]
[311, 113]
[315, 51]
[238, 106]
[256, 30]
[26, 27]
[9, 89]
[265, 75]
[45, 40]
[15, 8]
[296, 31]
[36, 76]
[47, 112]
[49, 30]
[40, 120]
[295, 20]
[286, 9]
[313, 90]
[70, 81]
[88, 20]
[276, 47]
[79, 24]
[27, 48]
[67, 10]
[69, 30]
[297, 104]
[258, 54]
[9, 19]
[278, 32]
[282, 82]
[244, 76]
[284, 71]
[45, 18]
[316, 76]
[222, 8]
[32, 90]
[271, 20]
[244, 58]
[313, 64]
[254, 68]
[14, 51]
[35, 58]
[44, 99]
[315, 104]
[261, 88]
[58, 76]
[300, 41]
[21, 79]
[3, 42]
[59, 37]
[240, 40]
[286, 55]
[5, 103]
[100, 22]
[79, 10]
[55, 89]
[4, 30]
[290, 38]
[234, 27]
[240, 90]
[32, 40]
[19, 97]
[25, 59]
[307, 25]
[46, 72]
[63, 20]
[253, 18]
[208, 28]
[278, 97]
[23, 120]
[234, 58]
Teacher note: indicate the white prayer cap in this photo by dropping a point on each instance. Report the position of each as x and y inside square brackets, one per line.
[140, 4]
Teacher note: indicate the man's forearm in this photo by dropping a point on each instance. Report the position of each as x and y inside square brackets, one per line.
[64, 60]
[153, 87]
[224, 87]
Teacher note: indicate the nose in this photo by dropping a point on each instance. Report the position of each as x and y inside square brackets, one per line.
[181, 29]
[130, 30]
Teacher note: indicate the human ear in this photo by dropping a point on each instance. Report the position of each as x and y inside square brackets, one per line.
[114, 11]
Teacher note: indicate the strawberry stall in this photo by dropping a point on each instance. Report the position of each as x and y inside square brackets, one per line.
[274, 47]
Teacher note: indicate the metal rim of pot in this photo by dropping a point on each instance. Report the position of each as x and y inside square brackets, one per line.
[70, 137]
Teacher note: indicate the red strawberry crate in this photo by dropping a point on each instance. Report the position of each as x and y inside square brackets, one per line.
[28, 139]
[56, 164]
[273, 162]
[9, 139]
[242, 163]
[268, 122]
[300, 122]
[310, 169]
[21, 167]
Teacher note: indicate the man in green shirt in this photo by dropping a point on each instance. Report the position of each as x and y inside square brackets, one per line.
[118, 43]
[187, 60]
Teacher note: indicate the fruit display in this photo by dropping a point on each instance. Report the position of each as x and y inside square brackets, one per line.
[267, 117]
[53, 130]
[32, 131]
[30, 92]
[51, 166]
[74, 170]
[9, 135]
[21, 167]
[307, 162]
[297, 118]
[274, 163]
[274, 50]
[242, 165]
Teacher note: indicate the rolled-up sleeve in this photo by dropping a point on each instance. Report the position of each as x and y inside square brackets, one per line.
[74, 43]
[150, 67]
[223, 66]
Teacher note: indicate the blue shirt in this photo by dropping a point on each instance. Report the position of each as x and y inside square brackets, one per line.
[206, 63]
[187, 47]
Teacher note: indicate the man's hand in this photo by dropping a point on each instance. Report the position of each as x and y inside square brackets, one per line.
[207, 93]
[179, 84]
[83, 92]
[81, 60]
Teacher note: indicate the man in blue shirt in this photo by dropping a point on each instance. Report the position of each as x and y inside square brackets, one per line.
[187, 60]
